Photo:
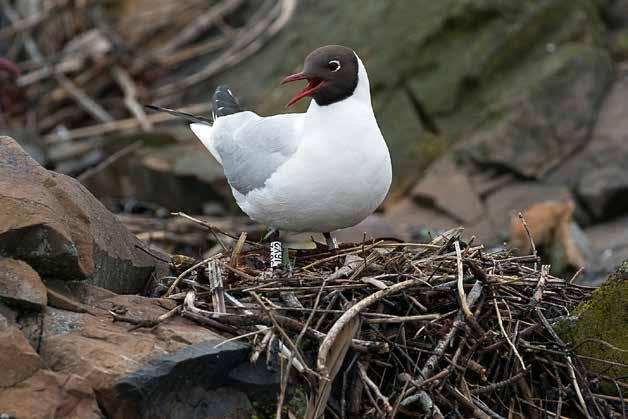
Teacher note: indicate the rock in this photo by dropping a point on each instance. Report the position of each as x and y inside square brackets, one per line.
[20, 284]
[472, 66]
[49, 395]
[31, 142]
[604, 191]
[29, 391]
[196, 402]
[256, 381]
[9, 313]
[448, 188]
[617, 14]
[536, 134]
[415, 222]
[82, 292]
[603, 317]
[603, 188]
[599, 174]
[158, 389]
[165, 372]
[486, 182]
[511, 199]
[374, 226]
[610, 244]
[619, 45]
[179, 177]
[18, 360]
[55, 225]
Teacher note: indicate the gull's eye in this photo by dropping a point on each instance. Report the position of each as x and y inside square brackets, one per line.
[333, 65]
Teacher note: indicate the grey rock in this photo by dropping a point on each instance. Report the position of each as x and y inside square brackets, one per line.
[605, 191]
[448, 188]
[256, 380]
[536, 135]
[154, 391]
[610, 246]
[599, 173]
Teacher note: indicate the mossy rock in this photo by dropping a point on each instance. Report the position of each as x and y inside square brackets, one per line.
[296, 402]
[603, 317]
[619, 45]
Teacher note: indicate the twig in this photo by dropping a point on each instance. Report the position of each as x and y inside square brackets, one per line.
[187, 271]
[352, 312]
[215, 281]
[506, 336]
[540, 287]
[237, 249]
[125, 81]
[462, 299]
[532, 246]
[364, 376]
[278, 328]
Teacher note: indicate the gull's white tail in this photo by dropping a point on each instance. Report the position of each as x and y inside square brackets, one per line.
[204, 133]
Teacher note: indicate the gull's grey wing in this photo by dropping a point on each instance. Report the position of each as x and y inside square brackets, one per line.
[252, 148]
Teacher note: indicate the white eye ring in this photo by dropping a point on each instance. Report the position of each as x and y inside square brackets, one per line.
[336, 63]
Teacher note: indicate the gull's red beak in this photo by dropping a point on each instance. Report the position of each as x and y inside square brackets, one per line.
[313, 83]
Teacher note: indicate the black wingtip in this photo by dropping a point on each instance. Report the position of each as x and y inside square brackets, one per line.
[183, 115]
[224, 102]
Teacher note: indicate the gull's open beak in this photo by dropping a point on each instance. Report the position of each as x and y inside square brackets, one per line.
[313, 83]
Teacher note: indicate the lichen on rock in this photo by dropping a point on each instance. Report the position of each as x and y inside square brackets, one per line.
[602, 318]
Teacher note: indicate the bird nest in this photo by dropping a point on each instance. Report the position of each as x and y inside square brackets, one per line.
[390, 329]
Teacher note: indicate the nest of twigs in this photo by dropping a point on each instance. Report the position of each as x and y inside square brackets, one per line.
[389, 329]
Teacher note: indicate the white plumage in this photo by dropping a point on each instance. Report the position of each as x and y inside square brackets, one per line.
[319, 171]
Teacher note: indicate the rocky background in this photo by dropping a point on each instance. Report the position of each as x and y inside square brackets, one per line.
[489, 107]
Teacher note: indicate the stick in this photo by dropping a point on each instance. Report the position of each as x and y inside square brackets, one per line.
[506, 336]
[215, 281]
[364, 376]
[187, 271]
[125, 81]
[352, 312]
[462, 299]
[540, 287]
[532, 246]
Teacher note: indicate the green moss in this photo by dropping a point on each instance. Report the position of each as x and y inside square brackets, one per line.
[296, 404]
[619, 46]
[605, 317]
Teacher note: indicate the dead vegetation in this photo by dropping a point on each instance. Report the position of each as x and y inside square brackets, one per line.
[389, 329]
[88, 67]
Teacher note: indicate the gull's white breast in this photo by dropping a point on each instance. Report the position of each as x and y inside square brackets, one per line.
[340, 173]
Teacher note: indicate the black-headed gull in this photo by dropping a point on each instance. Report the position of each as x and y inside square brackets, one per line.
[318, 171]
